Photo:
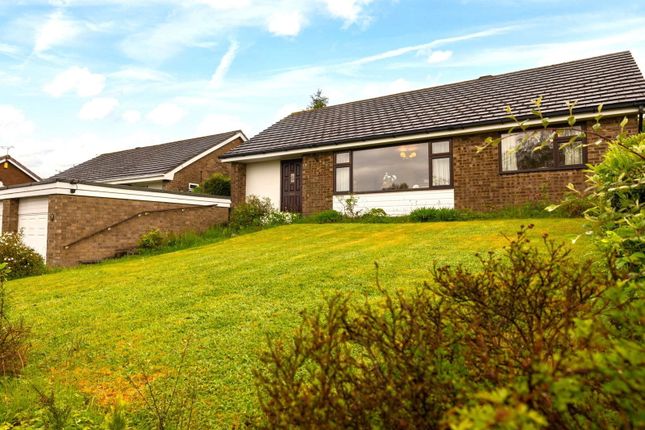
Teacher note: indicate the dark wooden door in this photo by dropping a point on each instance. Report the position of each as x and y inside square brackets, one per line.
[291, 200]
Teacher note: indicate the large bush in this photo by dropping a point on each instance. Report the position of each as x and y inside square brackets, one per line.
[217, 184]
[20, 259]
[501, 345]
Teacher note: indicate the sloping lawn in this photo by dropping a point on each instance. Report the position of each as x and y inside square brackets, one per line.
[95, 324]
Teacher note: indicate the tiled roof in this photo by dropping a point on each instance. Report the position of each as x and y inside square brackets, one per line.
[143, 161]
[614, 80]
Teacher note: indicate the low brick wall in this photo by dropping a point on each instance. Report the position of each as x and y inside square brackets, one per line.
[72, 219]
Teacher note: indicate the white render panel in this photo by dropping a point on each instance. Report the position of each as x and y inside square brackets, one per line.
[1, 210]
[401, 203]
[32, 222]
[263, 180]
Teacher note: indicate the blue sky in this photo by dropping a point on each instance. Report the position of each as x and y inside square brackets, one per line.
[83, 77]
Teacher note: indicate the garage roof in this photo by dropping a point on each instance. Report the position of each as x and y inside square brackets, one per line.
[146, 160]
[614, 80]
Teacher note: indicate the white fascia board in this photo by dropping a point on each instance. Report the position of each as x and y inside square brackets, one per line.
[85, 190]
[133, 180]
[171, 175]
[415, 137]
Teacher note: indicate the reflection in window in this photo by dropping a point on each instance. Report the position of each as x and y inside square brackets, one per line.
[541, 149]
[391, 168]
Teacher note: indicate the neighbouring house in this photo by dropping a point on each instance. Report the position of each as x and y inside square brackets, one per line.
[14, 173]
[174, 166]
[419, 148]
[70, 222]
[100, 208]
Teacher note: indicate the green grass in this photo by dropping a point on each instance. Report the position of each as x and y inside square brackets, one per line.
[91, 325]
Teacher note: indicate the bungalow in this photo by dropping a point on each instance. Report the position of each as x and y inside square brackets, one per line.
[100, 208]
[174, 166]
[419, 148]
[14, 173]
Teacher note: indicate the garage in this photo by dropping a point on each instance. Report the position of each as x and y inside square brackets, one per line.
[32, 222]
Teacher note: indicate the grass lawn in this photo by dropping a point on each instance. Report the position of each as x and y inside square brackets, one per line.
[93, 325]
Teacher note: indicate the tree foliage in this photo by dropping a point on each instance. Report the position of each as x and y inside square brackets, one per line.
[318, 100]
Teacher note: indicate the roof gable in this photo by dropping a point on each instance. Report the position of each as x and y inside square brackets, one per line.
[614, 80]
[20, 167]
[145, 161]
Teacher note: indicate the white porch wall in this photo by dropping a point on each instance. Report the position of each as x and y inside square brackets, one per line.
[401, 203]
[263, 180]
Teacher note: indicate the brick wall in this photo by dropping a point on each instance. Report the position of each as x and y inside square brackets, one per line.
[13, 175]
[73, 218]
[201, 169]
[317, 182]
[10, 215]
[480, 186]
[238, 183]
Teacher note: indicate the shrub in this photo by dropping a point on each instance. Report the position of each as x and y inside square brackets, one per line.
[434, 214]
[375, 213]
[13, 335]
[279, 218]
[326, 217]
[20, 259]
[153, 239]
[512, 345]
[217, 184]
[251, 213]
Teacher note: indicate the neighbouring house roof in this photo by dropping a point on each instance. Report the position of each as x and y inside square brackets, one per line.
[20, 166]
[614, 80]
[146, 161]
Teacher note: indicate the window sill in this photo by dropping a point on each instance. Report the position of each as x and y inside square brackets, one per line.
[549, 169]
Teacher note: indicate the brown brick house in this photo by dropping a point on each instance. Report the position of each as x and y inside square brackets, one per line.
[14, 173]
[173, 166]
[419, 148]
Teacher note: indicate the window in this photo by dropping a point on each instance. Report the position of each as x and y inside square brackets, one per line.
[542, 150]
[192, 186]
[415, 166]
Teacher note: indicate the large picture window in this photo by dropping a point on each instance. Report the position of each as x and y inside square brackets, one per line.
[416, 166]
[542, 150]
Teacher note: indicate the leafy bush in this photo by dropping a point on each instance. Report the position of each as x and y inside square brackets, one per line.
[434, 214]
[251, 213]
[20, 259]
[13, 335]
[153, 239]
[375, 213]
[326, 217]
[513, 345]
[217, 184]
[617, 194]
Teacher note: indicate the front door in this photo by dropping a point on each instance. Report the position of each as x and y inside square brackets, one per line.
[291, 200]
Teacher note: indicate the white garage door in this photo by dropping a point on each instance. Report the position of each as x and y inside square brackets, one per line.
[32, 221]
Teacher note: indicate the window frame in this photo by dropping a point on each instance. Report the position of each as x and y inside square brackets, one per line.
[557, 155]
[431, 156]
[192, 186]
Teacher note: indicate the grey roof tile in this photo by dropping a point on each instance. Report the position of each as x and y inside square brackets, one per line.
[143, 161]
[613, 79]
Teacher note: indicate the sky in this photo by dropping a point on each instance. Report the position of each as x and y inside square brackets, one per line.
[82, 77]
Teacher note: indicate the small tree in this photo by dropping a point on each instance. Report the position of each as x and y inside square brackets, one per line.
[318, 101]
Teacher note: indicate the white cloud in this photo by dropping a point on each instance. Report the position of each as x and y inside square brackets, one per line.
[224, 65]
[219, 123]
[439, 56]
[14, 125]
[131, 116]
[139, 74]
[76, 79]
[98, 108]
[8, 49]
[166, 114]
[55, 31]
[285, 23]
[348, 10]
